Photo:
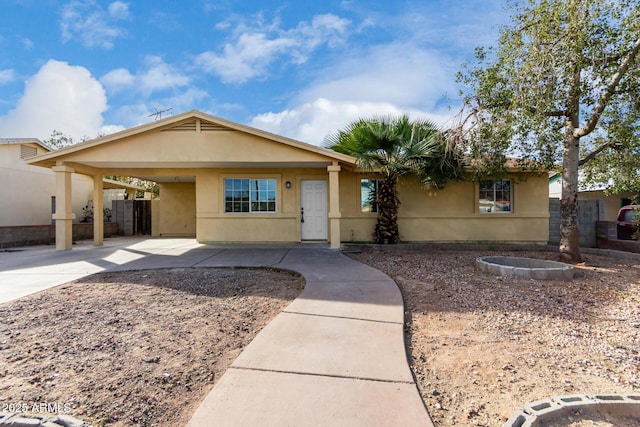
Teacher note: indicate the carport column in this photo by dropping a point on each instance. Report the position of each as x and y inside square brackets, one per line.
[64, 215]
[98, 212]
[334, 204]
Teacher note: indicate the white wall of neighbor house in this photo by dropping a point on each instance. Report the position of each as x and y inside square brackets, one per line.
[112, 194]
[26, 190]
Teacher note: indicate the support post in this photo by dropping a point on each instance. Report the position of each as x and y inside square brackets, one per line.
[64, 215]
[98, 211]
[334, 204]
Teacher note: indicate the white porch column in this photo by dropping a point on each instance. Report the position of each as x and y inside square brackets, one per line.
[64, 215]
[98, 212]
[334, 204]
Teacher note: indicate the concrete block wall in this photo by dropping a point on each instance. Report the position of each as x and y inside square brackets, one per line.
[123, 211]
[589, 212]
[554, 221]
[29, 235]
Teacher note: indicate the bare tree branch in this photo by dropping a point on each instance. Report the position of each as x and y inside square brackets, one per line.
[611, 87]
[597, 151]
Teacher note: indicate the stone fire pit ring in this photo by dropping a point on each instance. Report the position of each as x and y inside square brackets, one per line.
[528, 268]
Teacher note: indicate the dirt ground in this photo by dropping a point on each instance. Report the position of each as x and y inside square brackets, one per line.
[482, 346]
[135, 348]
[144, 348]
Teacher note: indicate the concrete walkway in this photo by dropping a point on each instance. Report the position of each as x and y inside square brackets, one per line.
[334, 357]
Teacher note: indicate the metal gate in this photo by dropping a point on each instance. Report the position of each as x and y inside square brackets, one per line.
[142, 217]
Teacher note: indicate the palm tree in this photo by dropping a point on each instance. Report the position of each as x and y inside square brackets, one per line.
[393, 147]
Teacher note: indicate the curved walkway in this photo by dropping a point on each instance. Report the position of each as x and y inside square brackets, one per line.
[334, 357]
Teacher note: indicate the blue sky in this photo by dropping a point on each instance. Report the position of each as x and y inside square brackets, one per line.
[301, 69]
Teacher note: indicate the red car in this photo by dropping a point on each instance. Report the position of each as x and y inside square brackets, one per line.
[628, 221]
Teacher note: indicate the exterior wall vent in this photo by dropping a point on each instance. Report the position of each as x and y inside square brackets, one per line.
[210, 127]
[27, 151]
[184, 127]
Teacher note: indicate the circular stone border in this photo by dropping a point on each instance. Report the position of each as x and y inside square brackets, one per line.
[532, 414]
[528, 268]
[29, 420]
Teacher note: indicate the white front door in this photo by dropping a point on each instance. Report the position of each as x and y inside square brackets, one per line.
[313, 210]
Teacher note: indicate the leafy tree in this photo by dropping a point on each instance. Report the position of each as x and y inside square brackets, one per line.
[393, 147]
[562, 85]
[148, 186]
[58, 140]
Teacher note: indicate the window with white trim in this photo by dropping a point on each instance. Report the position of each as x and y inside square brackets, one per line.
[369, 195]
[249, 195]
[495, 196]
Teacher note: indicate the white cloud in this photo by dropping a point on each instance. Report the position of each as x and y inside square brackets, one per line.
[91, 24]
[118, 79]
[119, 10]
[186, 100]
[244, 60]
[108, 129]
[155, 76]
[255, 47]
[398, 73]
[7, 76]
[412, 82]
[312, 122]
[26, 43]
[58, 97]
[159, 75]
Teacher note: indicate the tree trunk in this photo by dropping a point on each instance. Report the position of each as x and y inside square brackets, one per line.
[569, 233]
[386, 231]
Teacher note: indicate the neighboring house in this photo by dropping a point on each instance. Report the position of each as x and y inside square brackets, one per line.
[612, 202]
[225, 182]
[26, 192]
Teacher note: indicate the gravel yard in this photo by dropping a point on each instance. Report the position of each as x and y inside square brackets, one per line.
[144, 348]
[483, 345]
[135, 348]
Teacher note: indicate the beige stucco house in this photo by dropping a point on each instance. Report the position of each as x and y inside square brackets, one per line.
[26, 191]
[225, 182]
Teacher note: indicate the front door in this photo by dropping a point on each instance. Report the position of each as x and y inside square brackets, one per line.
[313, 210]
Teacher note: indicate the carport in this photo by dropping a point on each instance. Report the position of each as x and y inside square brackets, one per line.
[197, 159]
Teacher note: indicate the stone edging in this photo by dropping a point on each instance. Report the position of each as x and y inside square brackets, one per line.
[534, 413]
[27, 420]
[528, 268]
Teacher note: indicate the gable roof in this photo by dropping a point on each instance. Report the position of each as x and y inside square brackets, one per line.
[12, 141]
[188, 121]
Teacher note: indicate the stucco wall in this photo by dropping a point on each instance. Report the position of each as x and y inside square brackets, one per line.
[214, 225]
[176, 214]
[450, 215]
[26, 190]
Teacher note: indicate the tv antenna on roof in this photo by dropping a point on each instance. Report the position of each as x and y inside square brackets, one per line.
[158, 113]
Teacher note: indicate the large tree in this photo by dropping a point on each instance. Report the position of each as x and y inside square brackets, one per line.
[562, 86]
[393, 147]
